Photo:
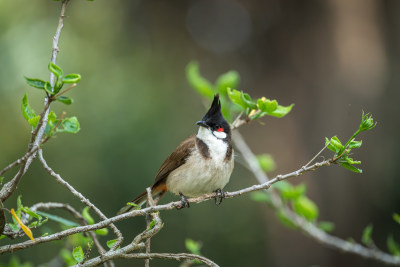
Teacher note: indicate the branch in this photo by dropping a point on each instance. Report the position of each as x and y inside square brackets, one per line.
[136, 244]
[148, 210]
[83, 199]
[75, 213]
[306, 227]
[170, 256]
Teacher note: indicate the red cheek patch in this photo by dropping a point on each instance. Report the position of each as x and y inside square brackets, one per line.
[220, 130]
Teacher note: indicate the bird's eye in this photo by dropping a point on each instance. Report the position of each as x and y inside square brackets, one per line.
[220, 129]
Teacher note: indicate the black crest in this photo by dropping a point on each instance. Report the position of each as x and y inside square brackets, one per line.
[214, 117]
[214, 113]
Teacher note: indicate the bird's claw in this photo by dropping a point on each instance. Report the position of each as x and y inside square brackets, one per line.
[184, 202]
[219, 196]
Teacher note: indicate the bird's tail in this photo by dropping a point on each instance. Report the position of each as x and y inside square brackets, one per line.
[141, 199]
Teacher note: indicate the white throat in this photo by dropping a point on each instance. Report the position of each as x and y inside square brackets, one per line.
[214, 140]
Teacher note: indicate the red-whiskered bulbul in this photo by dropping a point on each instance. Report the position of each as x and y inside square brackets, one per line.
[201, 164]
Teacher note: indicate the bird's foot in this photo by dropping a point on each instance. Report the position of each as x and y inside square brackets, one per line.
[219, 196]
[184, 202]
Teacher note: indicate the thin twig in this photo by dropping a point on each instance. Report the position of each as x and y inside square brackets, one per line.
[150, 203]
[63, 92]
[83, 199]
[319, 153]
[170, 256]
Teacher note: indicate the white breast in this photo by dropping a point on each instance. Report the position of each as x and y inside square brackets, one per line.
[201, 175]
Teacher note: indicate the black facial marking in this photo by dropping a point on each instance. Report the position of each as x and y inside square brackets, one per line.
[203, 148]
[228, 154]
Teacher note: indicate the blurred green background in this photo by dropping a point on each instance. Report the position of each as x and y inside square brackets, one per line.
[331, 58]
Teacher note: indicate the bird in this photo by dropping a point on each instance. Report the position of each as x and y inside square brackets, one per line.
[201, 164]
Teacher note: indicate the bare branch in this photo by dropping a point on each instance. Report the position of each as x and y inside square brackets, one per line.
[150, 202]
[170, 256]
[83, 199]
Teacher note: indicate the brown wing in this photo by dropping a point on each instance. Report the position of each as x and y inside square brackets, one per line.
[176, 159]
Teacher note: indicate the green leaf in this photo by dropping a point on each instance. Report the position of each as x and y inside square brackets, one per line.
[52, 117]
[367, 122]
[1, 179]
[306, 208]
[294, 192]
[151, 224]
[329, 145]
[110, 243]
[258, 115]
[34, 121]
[48, 88]
[102, 231]
[56, 218]
[67, 257]
[70, 125]
[326, 226]
[334, 144]
[36, 83]
[281, 111]
[66, 100]
[193, 246]
[136, 206]
[227, 80]
[266, 162]
[51, 123]
[248, 101]
[355, 144]
[282, 186]
[78, 254]
[19, 202]
[71, 78]
[284, 218]
[396, 217]
[393, 247]
[58, 87]
[56, 70]
[27, 112]
[197, 82]
[31, 213]
[349, 160]
[366, 235]
[236, 97]
[350, 167]
[267, 105]
[38, 223]
[86, 215]
[260, 197]
[13, 226]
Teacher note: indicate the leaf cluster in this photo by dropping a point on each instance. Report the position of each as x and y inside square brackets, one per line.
[239, 100]
[53, 91]
[54, 124]
[343, 152]
[24, 215]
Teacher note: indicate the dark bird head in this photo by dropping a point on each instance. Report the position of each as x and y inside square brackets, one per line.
[215, 121]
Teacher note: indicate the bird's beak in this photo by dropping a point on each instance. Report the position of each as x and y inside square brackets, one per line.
[202, 124]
